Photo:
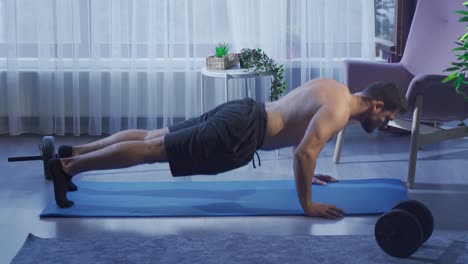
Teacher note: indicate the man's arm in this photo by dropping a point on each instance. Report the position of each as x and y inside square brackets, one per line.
[321, 179]
[323, 125]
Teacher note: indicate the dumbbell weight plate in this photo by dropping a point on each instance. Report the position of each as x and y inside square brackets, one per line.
[48, 152]
[398, 233]
[421, 212]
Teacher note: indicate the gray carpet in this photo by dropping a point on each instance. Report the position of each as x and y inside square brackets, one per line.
[236, 248]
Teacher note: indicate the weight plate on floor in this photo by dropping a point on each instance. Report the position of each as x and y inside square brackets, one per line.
[398, 233]
[48, 152]
[421, 212]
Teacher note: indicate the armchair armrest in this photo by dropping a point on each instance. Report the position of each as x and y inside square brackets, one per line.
[359, 74]
[440, 101]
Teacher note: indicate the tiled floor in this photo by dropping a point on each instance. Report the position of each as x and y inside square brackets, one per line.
[441, 183]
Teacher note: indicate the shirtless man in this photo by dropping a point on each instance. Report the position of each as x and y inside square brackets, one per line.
[228, 136]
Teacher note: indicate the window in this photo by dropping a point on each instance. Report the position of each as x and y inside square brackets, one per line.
[2, 26]
[392, 23]
[120, 31]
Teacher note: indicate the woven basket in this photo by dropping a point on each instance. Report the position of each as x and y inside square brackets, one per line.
[226, 62]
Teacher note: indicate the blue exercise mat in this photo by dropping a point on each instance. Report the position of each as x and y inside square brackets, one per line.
[223, 198]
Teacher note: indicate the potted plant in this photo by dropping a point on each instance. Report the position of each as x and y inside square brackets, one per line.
[257, 61]
[222, 59]
[460, 67]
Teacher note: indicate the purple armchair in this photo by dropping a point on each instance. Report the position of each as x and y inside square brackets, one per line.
[433, 31]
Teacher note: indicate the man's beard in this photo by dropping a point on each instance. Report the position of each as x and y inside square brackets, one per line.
[368, 125]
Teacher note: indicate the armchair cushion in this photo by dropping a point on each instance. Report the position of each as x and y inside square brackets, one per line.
[440, 101]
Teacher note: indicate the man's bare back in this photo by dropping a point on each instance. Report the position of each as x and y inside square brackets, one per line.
[289, 117]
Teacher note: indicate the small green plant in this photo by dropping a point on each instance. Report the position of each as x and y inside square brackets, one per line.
[460, 67]
[221, 50]
[257, 61]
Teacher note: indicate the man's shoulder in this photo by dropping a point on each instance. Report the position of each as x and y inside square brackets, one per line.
[338, 107]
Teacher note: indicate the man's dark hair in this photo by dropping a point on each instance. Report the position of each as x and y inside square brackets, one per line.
[387, 92]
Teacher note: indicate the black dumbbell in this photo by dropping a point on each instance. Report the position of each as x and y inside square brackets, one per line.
[404, 229]
[47, 150]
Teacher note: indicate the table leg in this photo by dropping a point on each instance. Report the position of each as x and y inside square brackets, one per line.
[201, 95]
[247, 88]
[226, 88]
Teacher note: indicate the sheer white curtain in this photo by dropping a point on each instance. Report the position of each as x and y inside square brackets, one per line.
[100, 66]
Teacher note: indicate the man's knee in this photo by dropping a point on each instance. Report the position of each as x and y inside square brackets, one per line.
[155, 150]
[153, 134]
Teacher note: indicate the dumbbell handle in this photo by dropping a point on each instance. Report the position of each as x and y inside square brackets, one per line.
[25, 158]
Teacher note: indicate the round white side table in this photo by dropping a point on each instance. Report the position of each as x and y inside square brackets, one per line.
[231, 73]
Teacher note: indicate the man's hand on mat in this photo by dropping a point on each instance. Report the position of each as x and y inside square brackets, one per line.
[322, 179]
[324, 210]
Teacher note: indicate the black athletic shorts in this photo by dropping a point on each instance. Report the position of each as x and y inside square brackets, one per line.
[222, 139]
